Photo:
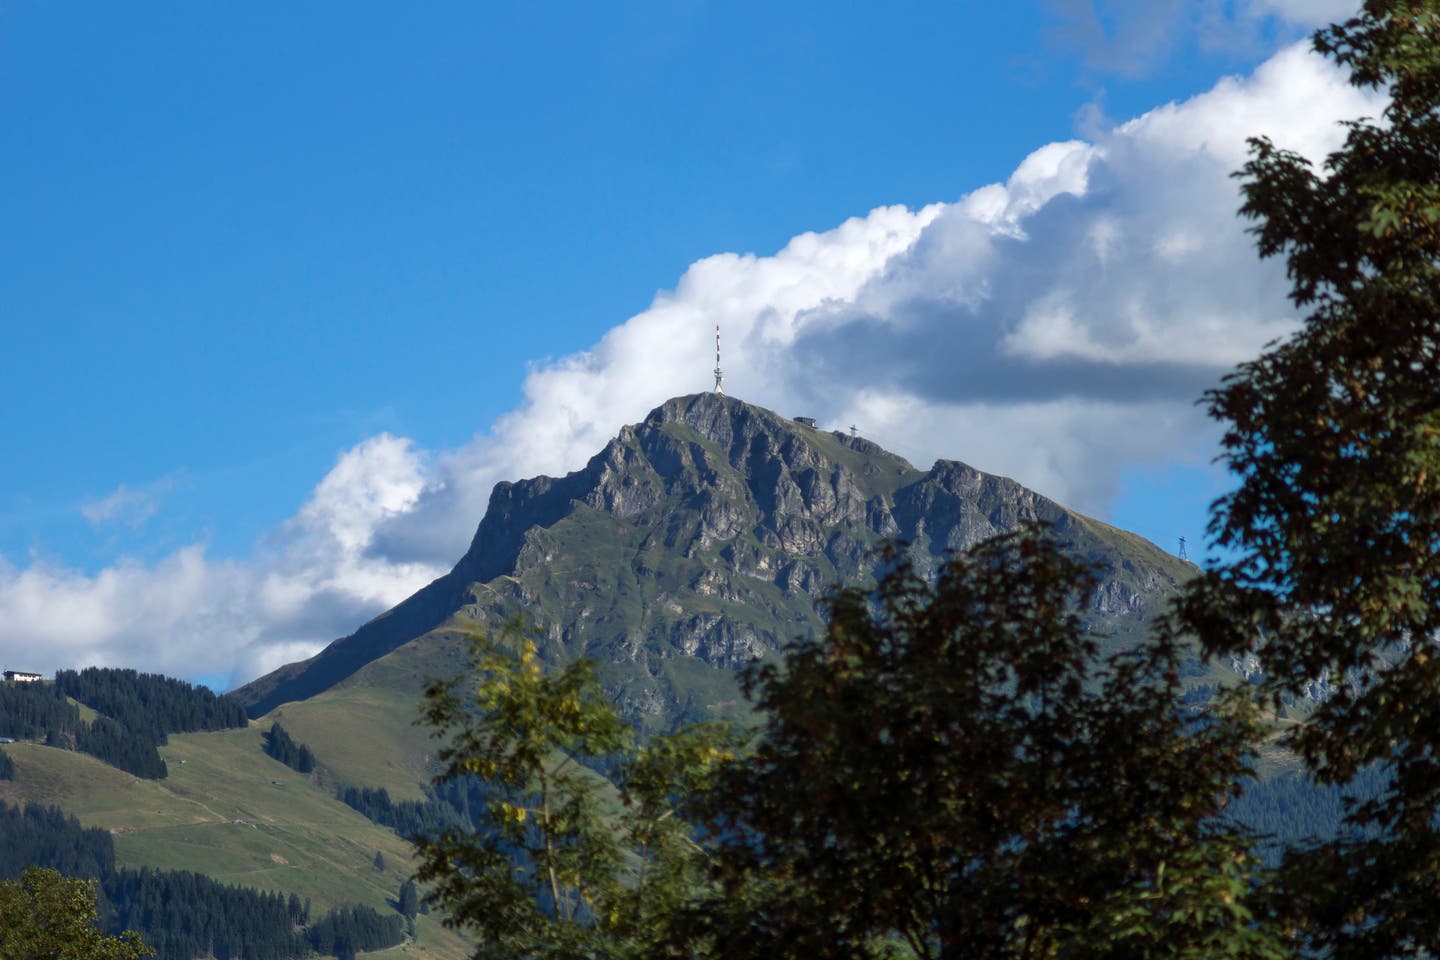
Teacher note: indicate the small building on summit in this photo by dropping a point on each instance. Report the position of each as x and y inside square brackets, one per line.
[806, 421]
[20, 676]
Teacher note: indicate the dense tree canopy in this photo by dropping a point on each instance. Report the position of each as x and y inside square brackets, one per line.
[408, 818]
[950, 771]
[150, 704]
[1334, 435]
[47, 916]
[277, 743]
[951, 767]
[40, 711]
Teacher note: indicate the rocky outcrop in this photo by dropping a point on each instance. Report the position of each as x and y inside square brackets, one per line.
[701, 539]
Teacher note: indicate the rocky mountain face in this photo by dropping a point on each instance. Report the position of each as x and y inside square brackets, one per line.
[697, 541]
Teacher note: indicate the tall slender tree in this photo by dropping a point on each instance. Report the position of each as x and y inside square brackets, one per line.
[564, 863]
[408, 900]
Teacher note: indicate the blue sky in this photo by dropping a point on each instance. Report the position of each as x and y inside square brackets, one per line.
[284, 288]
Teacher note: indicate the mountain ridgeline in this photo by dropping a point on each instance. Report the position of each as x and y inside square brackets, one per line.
[696, 541]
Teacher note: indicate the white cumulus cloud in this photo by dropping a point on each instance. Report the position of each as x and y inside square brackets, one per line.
[1056, 328]
[194, 615]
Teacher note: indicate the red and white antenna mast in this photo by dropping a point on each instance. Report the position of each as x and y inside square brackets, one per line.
[719, 377]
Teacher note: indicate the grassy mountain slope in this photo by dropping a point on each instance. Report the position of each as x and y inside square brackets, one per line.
[364, 735]
[231, 812]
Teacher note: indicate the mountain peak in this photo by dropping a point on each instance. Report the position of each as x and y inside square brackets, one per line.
[722, 418]
[701, 538]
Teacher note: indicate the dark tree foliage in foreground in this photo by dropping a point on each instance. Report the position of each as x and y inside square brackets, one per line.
[279, 746]
[948, 772]
[47, 916]
[1334, 435]
[150, 704]
[952, 767]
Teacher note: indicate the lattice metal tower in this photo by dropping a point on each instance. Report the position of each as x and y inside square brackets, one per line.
[1182, 554]
[719, 377]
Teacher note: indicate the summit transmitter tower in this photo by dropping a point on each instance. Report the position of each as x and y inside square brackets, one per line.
[719, 377]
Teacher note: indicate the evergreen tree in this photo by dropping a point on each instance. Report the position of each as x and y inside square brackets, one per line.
[31, 711]
[295, 910]
[408, 900]
[117, 745]
[343, 933]
[149, 704]
[46, 837]
[278, 744]
[409, 818]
